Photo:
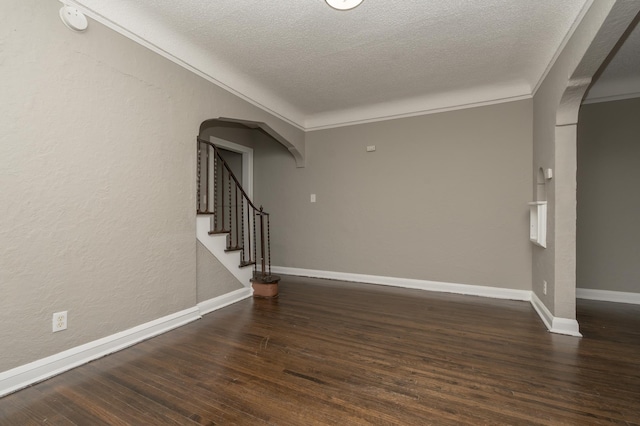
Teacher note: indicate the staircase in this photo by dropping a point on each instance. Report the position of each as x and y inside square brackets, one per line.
[230, 225]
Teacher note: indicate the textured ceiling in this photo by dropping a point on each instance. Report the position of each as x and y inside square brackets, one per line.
[621, 76]
[316, 66]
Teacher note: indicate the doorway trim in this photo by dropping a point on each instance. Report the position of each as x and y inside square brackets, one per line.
[247, 161]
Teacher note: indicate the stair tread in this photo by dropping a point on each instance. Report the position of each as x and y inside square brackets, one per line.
[243, 264]
[230, 249]
[219, 231]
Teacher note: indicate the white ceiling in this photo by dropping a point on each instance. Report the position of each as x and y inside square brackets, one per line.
[317, 67]
[620, 78]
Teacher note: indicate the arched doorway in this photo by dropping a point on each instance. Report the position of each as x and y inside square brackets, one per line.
[556, 148]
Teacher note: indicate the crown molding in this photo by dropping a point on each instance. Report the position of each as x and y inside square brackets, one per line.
[228, 80]
[423, 105]
[563, 44]
[611, 98]
[203, 65]
[605, 90]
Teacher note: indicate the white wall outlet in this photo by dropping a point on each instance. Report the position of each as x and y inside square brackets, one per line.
[371, 148]
[59, 321]
[313, 198]
[544, 287]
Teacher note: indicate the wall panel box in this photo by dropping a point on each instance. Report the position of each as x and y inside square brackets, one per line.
[538, 223]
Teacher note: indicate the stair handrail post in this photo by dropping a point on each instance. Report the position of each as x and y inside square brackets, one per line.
[269, 243]
[262, 271]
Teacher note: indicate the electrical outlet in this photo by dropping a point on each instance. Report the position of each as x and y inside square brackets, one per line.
[544, 286]
[59, 321]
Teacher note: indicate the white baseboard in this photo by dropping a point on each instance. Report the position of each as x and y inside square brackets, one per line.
[42, 369]
[555, 324]
[608, 296]
[470, 290]
[37, 371]
[225, 300]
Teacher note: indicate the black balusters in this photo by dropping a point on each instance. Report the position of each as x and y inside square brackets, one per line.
[198, 177]
[269, 243]
[255, 243]
[215, 192]
[206, 176]
[231, 219]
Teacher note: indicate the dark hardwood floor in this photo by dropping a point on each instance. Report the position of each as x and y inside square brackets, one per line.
[329, 352]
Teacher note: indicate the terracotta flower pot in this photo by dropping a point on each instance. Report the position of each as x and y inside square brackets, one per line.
[265, 290]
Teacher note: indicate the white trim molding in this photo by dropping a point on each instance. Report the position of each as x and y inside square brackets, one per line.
[225, 300]
[611, 98]
[200, 62]
[555, 324]
[585, 8]
[608, 296]
[205, 66]
[467, 289]
[42, 369]
[45, 368]
[425, 105]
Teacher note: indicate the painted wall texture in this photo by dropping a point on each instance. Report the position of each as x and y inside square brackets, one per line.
[97, 180]
[443, 197]
[555, 108]
[608, 197]
[212, 277]
[231, 132]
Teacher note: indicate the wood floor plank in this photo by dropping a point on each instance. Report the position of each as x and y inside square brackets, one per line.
[330, 352]
[30, 409]
[181, 397]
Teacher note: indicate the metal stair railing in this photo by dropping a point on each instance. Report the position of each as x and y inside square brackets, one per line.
[220, 195]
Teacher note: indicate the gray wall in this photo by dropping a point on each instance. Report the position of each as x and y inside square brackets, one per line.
[608, 247]
[443, 197]
[555, 108]
[234, 161]
[98, 165]
[236, 133]
[212, 277]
